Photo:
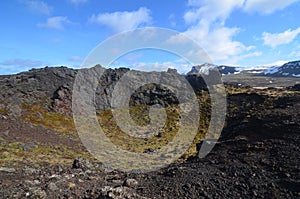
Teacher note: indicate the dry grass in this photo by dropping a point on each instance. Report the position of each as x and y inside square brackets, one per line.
[15, 153]
[37, 114]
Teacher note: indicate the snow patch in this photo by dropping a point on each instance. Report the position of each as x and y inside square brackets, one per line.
[203, 69]
[255, 72]
[272, 70]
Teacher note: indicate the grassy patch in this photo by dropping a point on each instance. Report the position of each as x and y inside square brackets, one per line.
[135, 144]
[140, 115]
[39, 115]
[14, 153]
[4, 111]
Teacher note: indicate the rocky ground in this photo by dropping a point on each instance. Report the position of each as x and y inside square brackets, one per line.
[236, 168]
[257, 155]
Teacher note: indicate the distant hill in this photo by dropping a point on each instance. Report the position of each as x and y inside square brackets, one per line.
[207, 68]
[290, 69]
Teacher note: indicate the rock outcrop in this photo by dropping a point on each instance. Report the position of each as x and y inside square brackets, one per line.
[54, 87]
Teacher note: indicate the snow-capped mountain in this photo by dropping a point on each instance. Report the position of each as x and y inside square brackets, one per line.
[207, 68]
[227, 70]
[290, 69]
[203, 69]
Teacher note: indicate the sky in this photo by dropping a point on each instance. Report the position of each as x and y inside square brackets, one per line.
[245, 33]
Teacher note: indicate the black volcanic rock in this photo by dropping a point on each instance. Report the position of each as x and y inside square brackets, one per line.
[54, 86]
[296, 87]
[62, 100]
[151, 94]
[35, 84]
[144, 87]
[196, 82]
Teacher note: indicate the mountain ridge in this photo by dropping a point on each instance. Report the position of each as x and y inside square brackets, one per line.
[289, 69]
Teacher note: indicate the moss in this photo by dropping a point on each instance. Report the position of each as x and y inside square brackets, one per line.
[44, 153]
[140, 115]
[37, 114]
[204, 120]
[10, 152]
[4, 111]
[134, 144]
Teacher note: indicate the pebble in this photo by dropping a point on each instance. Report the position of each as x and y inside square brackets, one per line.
[72, 185]
[52, 186]
[255, 193]
[38, 193]
[6, 133]
[9, 170]
[130, 183]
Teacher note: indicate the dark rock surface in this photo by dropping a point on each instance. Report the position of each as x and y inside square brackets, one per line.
[56, 84]
[62, 100]
[34, 84]
[256, 157]
[243, 167]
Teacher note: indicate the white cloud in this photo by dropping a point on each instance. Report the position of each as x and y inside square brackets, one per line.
[218, 42]
[22, 63]
[76, 59]
[13, 66]
[210, 10]
[172, 20]
[266, 6]
[55, 23]
[276, 63]
[132, 57]
[235, 59]
[215, 8]
[122, 21]
[295, 54]
[55, 40]
[195, 3]
[77, 2]
[157, 66]
[276, 39]
[207, 27]
[37, 6]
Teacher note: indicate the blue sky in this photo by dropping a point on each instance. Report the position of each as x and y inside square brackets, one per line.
[245, 33]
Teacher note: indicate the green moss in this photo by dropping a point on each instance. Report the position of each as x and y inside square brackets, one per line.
[39, 115]
[4, 111]
[10, 152]
[43, 153]
[58, 154]
[140, 115]
[204, 120]
[134, 144]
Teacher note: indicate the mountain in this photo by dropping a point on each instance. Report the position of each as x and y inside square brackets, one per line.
[207, 68]
[227, 70]
[203, 69]
[290, 69]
